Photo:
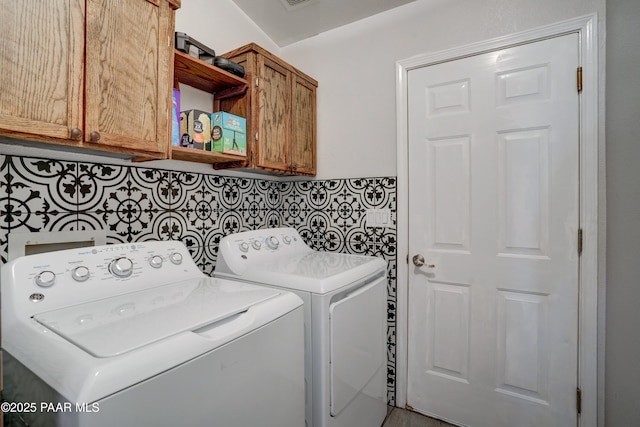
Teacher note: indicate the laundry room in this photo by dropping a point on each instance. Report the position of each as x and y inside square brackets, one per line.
[353, 196]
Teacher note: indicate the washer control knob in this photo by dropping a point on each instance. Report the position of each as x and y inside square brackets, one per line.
[45, 279]
[286, 240]
[176, 258]
[121, 267]
[272, 242]
[155, 261]
[256, 245]
[244, 247]
[80, 274]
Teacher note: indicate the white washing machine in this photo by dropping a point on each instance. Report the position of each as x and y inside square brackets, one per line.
[135, 335]
[345, 319]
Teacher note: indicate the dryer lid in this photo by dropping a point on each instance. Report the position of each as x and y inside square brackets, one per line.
[116, 325]
[315, 272]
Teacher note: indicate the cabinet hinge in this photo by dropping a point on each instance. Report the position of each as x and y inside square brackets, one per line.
[579, 79]
[578, 400]
[580, 241]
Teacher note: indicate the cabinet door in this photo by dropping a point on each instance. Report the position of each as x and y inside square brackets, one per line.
[272, 150]
[41, 52]
[128, 71]
[303, 137]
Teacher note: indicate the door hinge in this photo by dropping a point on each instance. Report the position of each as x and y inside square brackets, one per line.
[407, 258]
[578, 400]
[580, 241]
[579, 79]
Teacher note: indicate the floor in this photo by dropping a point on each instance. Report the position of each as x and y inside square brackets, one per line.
[402, 418]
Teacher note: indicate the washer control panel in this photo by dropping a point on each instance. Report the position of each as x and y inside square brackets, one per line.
[72, 276]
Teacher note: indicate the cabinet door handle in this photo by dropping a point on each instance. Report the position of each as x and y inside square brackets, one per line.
[76, 134]
[94, 136]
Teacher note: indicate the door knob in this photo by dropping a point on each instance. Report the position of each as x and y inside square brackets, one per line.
[418, 261]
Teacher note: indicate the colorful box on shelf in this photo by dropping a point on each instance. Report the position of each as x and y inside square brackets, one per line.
[228, 133]
[195, 129]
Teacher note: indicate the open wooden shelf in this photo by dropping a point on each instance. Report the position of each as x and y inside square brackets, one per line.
[201, 156]
[198, 74]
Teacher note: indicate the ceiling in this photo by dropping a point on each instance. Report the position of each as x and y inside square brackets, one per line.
[289, 21]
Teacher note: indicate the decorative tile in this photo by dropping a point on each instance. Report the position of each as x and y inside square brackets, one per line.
[271, 192]
[201, 206]
[50, 184]
[232, 191]
[294, 209]
[156, 184]
[139, 204]
[181, 186]
[180, 229]
[37, 195]
[90, 221]
[5, 207]
[231, 223]
[95, 184]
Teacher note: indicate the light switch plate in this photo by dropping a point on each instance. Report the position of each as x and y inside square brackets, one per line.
[377, 218]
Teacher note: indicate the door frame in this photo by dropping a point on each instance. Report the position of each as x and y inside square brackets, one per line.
[592, 207]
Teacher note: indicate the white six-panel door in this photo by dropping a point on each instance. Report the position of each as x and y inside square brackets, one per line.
[493, 211]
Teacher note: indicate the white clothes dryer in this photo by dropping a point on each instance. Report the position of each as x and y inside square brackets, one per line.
[345, 319]
[135, 335]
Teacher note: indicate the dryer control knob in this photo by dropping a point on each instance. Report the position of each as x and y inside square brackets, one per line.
[80, 274]
[256, 245]
[272, 242]
[46, 279]
[286, 240]
[176, 258]
[244, 247]
[121, 267]
[156, 261]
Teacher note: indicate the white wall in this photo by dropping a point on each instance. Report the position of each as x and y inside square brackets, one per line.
[622, 400]
[355, 66]
[221, 25]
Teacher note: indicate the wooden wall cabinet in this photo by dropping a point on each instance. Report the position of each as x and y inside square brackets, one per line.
[88, 73]
[281, 112]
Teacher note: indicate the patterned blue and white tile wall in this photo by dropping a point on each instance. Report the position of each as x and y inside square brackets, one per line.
[139, 203]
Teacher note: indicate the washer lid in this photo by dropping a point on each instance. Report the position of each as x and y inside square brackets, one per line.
[316, 272]
[119, 324]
